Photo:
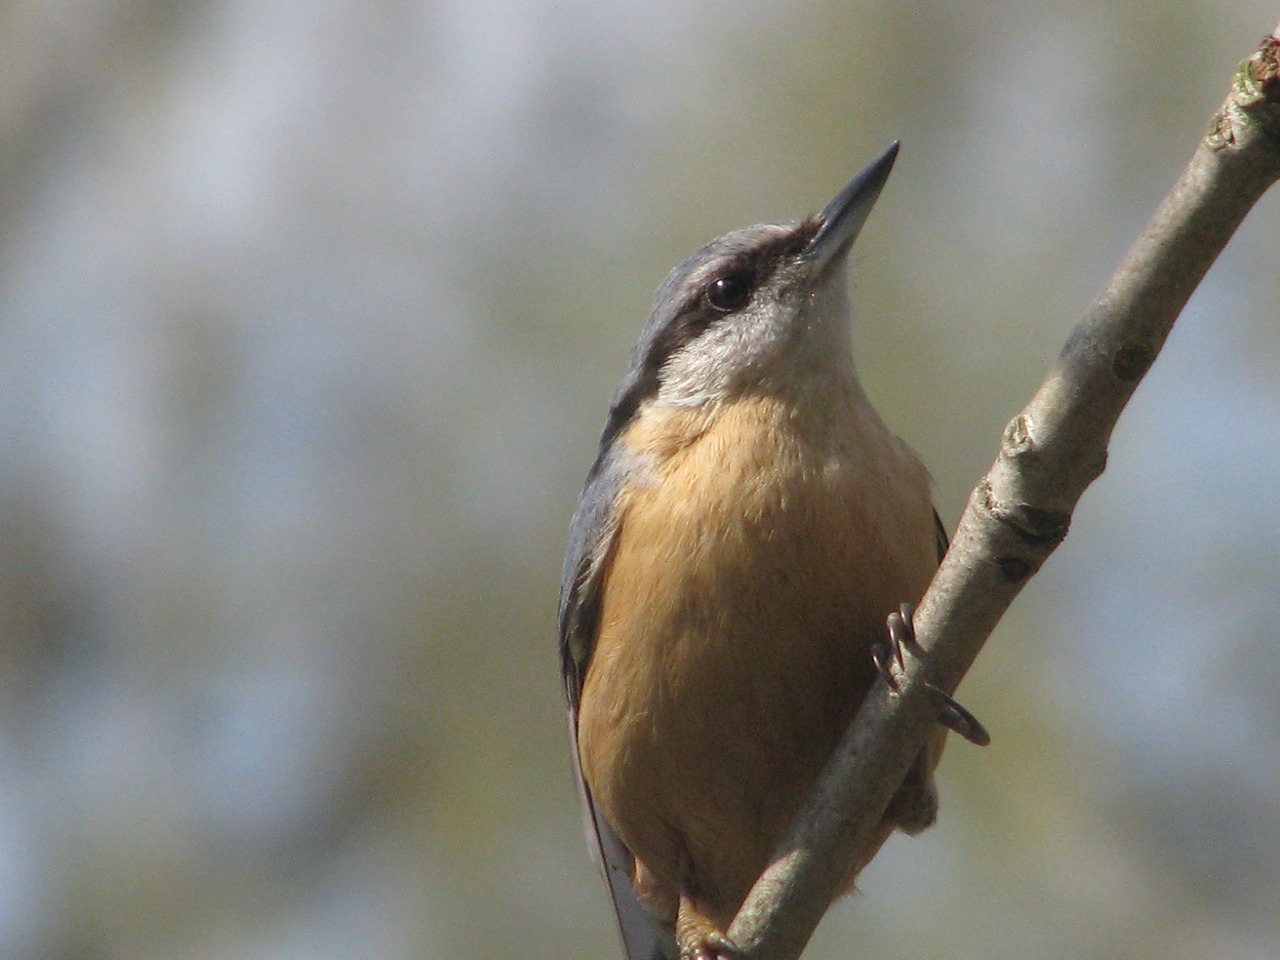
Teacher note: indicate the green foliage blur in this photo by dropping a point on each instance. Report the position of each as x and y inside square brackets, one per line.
[309, 315]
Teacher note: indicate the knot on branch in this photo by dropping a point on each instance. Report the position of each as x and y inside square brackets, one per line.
[1014, 569]
[1034, 526]
[1132, 360]
[1254, 100]
[1081, 459]
[1264, 68]
[1017, 440]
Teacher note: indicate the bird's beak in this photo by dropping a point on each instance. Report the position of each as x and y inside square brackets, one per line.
[844, 216]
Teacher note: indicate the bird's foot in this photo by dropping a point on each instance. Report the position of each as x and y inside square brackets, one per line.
[891, 660]
[699, 938]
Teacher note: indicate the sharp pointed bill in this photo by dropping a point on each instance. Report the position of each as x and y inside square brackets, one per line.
[742, 475]
[843, 217]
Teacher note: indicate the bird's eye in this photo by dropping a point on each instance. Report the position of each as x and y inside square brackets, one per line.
[730, 291]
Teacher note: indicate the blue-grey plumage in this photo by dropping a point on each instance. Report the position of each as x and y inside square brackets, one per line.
[746, 527]
[591, 532]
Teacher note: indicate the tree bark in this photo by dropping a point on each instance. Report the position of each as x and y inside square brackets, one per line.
[1020, 512]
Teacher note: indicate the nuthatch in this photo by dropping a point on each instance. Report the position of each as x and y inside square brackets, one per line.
[748, 524]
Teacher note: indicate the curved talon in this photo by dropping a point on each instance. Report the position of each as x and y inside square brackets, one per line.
[718, 947]
[883, 657]
[890, 657]
[959, 720]
[902, 629]
[890, 661]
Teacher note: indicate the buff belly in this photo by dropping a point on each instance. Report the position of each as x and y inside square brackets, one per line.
[748, 580]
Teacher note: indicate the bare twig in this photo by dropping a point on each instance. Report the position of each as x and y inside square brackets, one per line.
[1021, 510]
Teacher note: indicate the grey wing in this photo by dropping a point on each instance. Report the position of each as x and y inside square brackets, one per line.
[590, 539]
[940, 535]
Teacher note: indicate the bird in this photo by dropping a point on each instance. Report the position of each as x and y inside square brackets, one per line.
[747, 524]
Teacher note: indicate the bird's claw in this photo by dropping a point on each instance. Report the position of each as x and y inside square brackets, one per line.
[890, 660]
[890, 656]
[700, 938]
[716, 946]
[959, 720]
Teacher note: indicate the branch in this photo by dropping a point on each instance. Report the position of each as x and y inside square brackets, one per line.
[1021, 510]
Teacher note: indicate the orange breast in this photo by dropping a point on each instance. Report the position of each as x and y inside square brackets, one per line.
[749, 577]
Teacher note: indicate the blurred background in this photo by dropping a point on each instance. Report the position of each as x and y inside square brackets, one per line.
[309, 314]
